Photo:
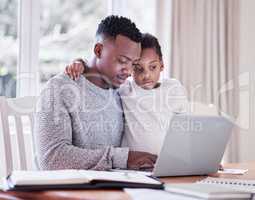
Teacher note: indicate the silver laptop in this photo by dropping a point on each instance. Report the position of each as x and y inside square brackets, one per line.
[194, 145]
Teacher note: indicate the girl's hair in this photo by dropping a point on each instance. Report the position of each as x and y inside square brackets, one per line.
[150, 41]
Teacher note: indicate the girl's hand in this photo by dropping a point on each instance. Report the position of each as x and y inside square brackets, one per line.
[75, 69]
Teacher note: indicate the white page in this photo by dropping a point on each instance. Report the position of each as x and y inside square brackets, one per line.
[47, 177]
[75, 177]
[119, 176]
[149, 194]
[233, 171]
[133, 171]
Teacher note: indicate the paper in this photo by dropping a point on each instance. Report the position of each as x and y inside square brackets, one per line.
[239, 184]
[133, 171]
[149, 194]
[119, 176]
[233, 171]
[56, 177]
[207, 191]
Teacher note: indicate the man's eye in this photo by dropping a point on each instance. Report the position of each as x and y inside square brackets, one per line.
[122, 61]
[135, 66]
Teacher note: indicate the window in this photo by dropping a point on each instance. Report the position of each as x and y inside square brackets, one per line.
[67, 32]
[143, 13]
[9, 47]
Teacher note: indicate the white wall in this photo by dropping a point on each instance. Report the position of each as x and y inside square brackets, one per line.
[247, 77]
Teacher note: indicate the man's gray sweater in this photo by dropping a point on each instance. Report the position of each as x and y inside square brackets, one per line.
[78, 126]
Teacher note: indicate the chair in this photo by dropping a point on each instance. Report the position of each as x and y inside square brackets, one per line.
[16, 108]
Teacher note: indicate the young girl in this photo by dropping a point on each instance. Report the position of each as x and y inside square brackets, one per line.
[148, 103]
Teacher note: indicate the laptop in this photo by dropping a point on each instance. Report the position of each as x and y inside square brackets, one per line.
[193, 145]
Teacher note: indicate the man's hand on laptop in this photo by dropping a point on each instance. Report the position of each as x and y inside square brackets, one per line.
[141, 160]
[75, 69]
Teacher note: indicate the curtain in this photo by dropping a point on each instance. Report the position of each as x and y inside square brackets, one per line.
[204, 56]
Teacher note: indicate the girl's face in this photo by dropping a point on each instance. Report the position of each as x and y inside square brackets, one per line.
[147, 72]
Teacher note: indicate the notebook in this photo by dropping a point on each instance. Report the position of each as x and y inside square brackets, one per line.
[206, 191]
[240, 184]
[77, 179]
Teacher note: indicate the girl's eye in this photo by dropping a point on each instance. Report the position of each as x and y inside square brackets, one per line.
[153, 67]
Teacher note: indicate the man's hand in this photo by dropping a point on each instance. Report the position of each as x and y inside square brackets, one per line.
[75, 69]
[141, 160]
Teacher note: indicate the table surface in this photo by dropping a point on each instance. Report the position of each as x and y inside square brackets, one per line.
[119, 194]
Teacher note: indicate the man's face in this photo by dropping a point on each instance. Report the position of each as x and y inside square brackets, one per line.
[147, 72]
[117, 59]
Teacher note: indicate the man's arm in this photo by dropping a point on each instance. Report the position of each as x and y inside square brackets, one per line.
[53, 135]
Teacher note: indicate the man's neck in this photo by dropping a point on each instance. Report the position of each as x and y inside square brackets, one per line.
[92, 74]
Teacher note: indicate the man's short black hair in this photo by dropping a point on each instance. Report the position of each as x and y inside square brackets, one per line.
[150, 41]
[114, 25]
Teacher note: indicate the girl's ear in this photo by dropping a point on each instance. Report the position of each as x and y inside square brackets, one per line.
[98, 49]
[161, 66]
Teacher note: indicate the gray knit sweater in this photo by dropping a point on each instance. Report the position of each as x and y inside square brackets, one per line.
[78, 126]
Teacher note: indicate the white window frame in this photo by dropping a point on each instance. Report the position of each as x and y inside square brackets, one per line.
[163, 32]
[117, 7]
[28, 39]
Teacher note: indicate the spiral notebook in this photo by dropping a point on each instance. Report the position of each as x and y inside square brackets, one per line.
[207, 191]
[240, 184]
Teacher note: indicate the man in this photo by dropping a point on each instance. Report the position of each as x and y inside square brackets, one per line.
[79, 124]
